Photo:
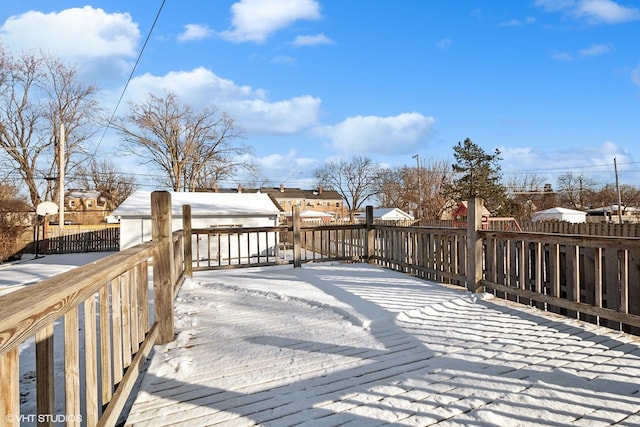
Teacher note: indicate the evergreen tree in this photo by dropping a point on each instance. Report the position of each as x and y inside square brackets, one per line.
[477, 174]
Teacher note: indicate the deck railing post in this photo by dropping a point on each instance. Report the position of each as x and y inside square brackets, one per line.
[10, 387]
[163, 269]
[295, 217]
[474, 244]
[371, 234]
[187, 245]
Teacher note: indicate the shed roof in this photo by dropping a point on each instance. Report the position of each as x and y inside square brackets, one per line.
[314, 214]
[559, 213]
[384, 213]
[213, 204]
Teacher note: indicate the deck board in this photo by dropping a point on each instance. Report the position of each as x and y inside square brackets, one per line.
[253, 348]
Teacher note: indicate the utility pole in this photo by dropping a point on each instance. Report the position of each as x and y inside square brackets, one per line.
[419, 209]
[615, 168]
[61, 178]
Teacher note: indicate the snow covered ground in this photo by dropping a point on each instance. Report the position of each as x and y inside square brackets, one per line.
[353, 344]
[17, 274]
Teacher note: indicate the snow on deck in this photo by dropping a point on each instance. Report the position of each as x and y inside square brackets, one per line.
[336, 344]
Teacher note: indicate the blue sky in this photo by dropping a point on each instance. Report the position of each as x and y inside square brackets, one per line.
[553, 84]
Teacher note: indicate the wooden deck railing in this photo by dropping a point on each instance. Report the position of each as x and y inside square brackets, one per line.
[110, 321]
[588, 277]
[593, 278]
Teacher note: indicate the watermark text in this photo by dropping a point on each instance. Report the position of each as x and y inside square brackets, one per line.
[43, 418]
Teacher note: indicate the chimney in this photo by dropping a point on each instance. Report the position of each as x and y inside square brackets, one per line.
[215, 188]
[282, 188]
[320, 189]
[239, 188]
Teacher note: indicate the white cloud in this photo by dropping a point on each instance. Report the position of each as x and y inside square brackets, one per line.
[606, 11]
[193, 32]
[518, 23]
[593, 11]
[595, 50]
[77, 32]
[90, 37]
[256, 20]
[312, 40]
[283, 59]
[595, 161]
[250, 107]
[399, 134]
[287, 165]
[444, 44]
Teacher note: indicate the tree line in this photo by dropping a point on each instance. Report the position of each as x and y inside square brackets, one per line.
[196, 149]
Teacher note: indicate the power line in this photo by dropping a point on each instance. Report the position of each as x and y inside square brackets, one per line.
[135, 66]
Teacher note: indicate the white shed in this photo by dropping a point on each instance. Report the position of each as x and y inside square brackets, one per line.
[560, 214]
[208, 210]
[388, 214]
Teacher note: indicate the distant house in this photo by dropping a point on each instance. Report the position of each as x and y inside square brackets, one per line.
[613, 213]
[459, 215]
[86, 207]
[318, 200]
[208, 210]
[387, 214]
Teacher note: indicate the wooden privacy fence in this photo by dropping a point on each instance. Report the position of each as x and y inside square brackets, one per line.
[109, 322]
[604, 229]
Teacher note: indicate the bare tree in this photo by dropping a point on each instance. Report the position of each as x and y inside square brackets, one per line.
[38, 92]
[393, 189]
[417, 190]
[607, 195]
[530, 193]
[434, 176]
[15, 216]
[573, 190]
[187, 146]
[105, 177]
[357, 180]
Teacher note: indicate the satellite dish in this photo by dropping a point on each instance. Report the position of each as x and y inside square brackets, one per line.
[47, 208]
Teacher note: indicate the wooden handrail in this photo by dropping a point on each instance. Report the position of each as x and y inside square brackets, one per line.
[109, 301]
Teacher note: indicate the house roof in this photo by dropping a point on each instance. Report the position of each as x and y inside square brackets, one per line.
[214, 204]
[298, 193]
[283, 193]
[463, 207]
[387, 213]
[314, 214]
[559, 213]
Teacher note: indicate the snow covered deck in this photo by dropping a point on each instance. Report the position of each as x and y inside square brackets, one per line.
[335, 344]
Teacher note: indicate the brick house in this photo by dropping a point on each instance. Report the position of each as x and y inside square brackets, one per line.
[86, 207]
[320, 200]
